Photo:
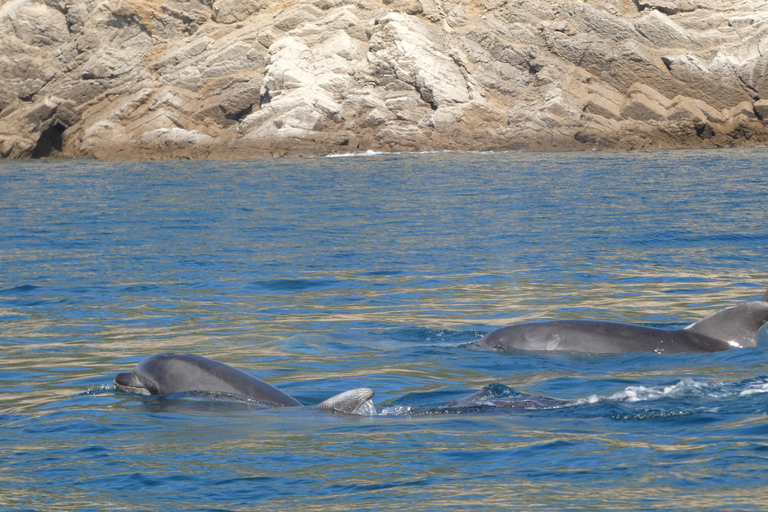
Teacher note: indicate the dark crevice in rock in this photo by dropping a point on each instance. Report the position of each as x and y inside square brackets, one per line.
[426, 95]
[265, 99]
[669, 11]
[749, 89]
[239, 115]
[50, 142]
[464, 72]
[427, 98]
[122, 21]
[68, 18]
[705, 130]
[534, 68]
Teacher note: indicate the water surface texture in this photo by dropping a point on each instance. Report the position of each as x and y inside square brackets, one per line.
[321, 275]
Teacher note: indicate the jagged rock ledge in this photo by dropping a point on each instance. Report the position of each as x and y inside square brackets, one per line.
[150, 79]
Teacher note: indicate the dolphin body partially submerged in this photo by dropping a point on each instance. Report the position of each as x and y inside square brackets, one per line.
[737, 326]
[170, 373]
[173, 373]
[494, 397]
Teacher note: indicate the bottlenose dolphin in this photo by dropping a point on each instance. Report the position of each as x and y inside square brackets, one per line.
[496, 396]
[499, 396]
[493, 397]
[169, 373]
[736, 326]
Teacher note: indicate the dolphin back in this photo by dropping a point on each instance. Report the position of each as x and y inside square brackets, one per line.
[590, 336]
[737, 325]
[168, 373]
[598, 337]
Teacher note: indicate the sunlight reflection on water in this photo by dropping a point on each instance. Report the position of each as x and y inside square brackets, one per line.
[321, 275]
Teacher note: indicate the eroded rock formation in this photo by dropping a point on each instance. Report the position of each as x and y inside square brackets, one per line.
[140, 79]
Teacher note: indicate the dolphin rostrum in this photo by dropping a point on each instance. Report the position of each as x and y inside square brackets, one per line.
[735, 326]
[168, 373]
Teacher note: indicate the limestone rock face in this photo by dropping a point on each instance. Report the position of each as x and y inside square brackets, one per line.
[149, 79]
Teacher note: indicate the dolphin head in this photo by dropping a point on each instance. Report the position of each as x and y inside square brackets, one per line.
[130, 383]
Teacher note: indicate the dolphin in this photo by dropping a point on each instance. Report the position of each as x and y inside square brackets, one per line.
[736, 326]
[493, 397]
[499, 396]
[168, 373]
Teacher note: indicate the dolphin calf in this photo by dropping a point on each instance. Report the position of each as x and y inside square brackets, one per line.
[736, 326]
[168, 373]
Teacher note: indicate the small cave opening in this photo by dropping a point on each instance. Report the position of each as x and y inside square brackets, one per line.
[50, 142]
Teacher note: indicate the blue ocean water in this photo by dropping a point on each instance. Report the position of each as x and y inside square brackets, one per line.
[320, 275]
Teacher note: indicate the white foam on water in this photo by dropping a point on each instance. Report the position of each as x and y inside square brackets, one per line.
[97, 390]
[371, 152]
[366, 409]
[685, 387]
[755, 389]
[397, 410]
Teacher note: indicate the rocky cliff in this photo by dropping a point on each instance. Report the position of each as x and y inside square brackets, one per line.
[140, 79]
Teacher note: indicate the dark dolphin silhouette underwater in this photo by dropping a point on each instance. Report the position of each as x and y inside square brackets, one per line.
[733, 327]
[494, 397]
[171, 373]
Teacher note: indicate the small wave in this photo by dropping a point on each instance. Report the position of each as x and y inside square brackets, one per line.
[366, 409]
[397, 410]
[290, 285]
[371, 152]
[684, 389]
[420, 337]
[25, 288]
[652, 415]
[755, 388]
[97, 390]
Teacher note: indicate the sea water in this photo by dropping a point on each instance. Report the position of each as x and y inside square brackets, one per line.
[380, 270]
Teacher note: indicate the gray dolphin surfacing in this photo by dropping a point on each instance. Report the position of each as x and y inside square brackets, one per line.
[169, 373]
[732, 327]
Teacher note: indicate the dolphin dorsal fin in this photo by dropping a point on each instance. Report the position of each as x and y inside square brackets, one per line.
[354, 401]
[738, 324]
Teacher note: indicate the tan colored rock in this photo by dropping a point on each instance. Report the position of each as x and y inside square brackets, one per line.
[419, 55]
[685, 110]
[761, 109]
[226, 78]
[231, 11]
[662, 32]
[745, 108]
[604, 101]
